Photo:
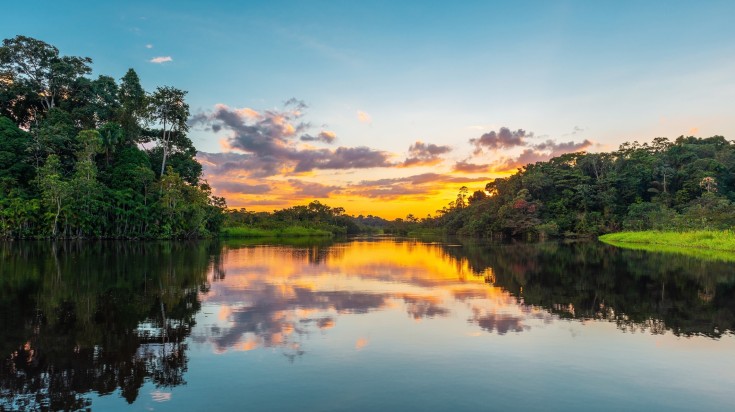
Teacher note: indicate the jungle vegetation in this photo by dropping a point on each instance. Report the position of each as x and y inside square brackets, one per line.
[84, 157]
[720, 243]
[681, 185]
[314, 219]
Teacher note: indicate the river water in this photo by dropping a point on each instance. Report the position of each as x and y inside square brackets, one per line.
[370, 324]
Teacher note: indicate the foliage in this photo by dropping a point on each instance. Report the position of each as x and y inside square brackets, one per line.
[314, 219]
[665, 185]
[290, 231]
[71, 163]
[73, 311]
[704, 239]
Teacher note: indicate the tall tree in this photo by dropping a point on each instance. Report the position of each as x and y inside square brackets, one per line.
[34, 65]
[54, 189]
[170, 111]
[133, 105]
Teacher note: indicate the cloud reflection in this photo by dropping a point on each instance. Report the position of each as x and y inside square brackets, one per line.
[275, 297]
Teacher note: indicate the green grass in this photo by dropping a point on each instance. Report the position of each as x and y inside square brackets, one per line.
[422, 232]
[706, 244]
[291, 231]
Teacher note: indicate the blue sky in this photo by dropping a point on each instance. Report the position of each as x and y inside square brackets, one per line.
[436, 72]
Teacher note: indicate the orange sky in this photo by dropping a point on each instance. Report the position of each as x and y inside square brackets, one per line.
[273, 159]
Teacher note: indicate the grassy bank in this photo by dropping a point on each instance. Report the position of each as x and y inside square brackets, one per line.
[426, 232]
[704, 239]
[704, 244]
[291, 231]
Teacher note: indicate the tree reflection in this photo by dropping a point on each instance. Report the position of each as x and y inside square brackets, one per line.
[637, 290]
[108, 317]
[103, 317]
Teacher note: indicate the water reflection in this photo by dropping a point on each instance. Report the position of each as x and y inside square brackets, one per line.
[109, 317]
[637, 290]
[274, 295]
[103, 317]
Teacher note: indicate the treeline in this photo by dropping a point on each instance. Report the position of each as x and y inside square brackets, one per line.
[315, 216]
[665, 185]
[94, 158]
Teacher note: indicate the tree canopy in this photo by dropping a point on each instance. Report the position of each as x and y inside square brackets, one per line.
[71, 159]
[667, 185]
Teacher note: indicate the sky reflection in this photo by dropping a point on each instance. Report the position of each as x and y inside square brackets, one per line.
[274, 297]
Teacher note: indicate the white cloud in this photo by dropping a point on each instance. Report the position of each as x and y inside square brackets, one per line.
[148, 46]
[364, 117]
[161, 59]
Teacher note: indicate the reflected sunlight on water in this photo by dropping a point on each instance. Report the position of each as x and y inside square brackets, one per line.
[363, 324]
[273, 295]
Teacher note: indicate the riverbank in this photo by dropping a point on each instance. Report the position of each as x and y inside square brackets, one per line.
[701, 244]
[722, 240]
[290, 231]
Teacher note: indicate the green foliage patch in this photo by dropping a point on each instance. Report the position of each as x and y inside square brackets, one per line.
[706, 244]
[72, 163]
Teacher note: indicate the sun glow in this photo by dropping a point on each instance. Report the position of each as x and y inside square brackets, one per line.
[289, 292]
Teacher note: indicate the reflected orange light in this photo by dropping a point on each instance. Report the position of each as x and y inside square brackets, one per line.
[306, 289]
[361, 343]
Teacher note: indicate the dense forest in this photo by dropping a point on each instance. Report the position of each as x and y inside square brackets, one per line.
[684, 184]
[94, 158]
[102, 158]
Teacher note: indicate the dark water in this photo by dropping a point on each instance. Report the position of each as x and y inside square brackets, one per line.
[365, 324]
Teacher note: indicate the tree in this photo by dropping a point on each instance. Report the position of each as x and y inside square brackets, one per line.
[461, 201]
[54, 189]
[133, 105]
[38, 66]
[170, 111]
[111, 135]
[709, 184]
[15, 169]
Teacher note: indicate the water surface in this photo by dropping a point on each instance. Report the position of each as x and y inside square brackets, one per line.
[363, 324]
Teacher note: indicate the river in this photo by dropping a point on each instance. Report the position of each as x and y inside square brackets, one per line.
[369, 324]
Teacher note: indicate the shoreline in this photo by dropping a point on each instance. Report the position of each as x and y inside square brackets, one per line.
[720, 240]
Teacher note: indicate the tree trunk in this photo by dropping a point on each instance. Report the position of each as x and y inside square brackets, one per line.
[56, 218]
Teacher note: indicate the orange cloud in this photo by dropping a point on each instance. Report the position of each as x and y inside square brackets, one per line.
[248, 112]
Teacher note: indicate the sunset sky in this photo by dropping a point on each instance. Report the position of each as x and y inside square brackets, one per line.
[387, 107]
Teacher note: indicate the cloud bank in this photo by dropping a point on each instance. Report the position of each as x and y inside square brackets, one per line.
[505, 138]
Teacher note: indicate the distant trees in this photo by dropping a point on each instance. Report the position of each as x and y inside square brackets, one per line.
[71, 159]
[688, 183]
[315, 215]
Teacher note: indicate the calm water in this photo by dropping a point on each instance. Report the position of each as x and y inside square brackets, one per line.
[365, 324]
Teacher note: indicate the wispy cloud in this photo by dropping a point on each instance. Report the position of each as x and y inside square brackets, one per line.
[148, 46]
[419, 186]
[364, 117]
[540, 153]
[161, 59]
[463, 166]
[311, 190]
[325, 136]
